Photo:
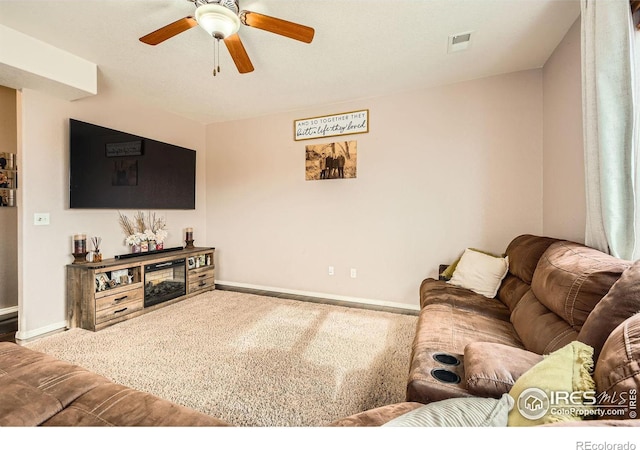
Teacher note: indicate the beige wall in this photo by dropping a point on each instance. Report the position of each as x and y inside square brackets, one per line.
[45, 250]
[8, 216]
[440, 170]
[563, 168]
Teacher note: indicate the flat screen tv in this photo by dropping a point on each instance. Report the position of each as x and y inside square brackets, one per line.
[112, 169]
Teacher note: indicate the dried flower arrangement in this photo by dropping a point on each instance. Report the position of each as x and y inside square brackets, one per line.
[143, 228]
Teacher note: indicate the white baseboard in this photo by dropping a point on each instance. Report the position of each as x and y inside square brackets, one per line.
[8, 311]
[343, 298]
[39, 332]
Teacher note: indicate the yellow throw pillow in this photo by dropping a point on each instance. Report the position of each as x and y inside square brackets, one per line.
[559, 388]
[448, 272]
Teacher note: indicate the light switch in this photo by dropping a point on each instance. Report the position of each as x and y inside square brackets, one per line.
[41, 218]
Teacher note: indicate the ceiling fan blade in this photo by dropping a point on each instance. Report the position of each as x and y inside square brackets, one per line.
[169, 31]
[238, 53]
[278, 26]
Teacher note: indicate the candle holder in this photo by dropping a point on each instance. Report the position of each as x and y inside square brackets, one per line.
[79, 248]
[189, 237]
[79, 258]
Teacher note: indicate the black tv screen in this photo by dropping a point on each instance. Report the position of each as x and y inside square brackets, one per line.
[112, 169]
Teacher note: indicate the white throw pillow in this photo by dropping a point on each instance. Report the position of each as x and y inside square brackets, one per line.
[480, 272]
[458, 412]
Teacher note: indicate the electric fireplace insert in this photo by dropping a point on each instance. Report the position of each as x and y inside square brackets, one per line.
[164, 281]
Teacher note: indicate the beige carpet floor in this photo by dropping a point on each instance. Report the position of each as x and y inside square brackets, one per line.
[252, 360]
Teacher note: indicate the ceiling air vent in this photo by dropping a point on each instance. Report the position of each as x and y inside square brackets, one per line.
[459, 42]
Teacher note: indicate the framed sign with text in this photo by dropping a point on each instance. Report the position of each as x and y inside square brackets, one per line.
[353, 122]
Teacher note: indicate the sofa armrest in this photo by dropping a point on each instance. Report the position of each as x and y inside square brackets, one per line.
[491, 369]
[376, 417]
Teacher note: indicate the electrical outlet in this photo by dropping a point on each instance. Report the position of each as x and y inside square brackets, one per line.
[331, 271]
[41, 218]
[354, 273]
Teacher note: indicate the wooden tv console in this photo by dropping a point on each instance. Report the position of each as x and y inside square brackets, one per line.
[103, 293]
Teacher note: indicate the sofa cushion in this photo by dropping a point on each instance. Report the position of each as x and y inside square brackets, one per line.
[447, 328]
[541, 330]
[458, 412]
[480, 272]
[524, 252]
[566, 370]
[36, 386]
[492, 369]
[38, 389]
[22, 405]
[571, 279]
[617, 372]
[621, 302]
[450, 328]
[512, 290]
[115, 405]
[439, 292]
[377, 416]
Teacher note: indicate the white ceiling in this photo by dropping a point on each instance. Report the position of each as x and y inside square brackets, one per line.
[362, 48]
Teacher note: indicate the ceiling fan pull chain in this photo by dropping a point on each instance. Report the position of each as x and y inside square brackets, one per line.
[216, 56]
[218, 50]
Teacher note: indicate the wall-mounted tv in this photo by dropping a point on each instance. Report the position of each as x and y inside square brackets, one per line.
[113, 169]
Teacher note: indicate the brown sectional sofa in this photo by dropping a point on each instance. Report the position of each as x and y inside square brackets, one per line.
[555, 292]
[541, 306]
[37, 389]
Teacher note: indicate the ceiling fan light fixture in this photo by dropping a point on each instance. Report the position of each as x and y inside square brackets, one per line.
[217, 20]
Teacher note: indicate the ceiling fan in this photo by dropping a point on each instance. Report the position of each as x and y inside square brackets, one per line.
[222, 19]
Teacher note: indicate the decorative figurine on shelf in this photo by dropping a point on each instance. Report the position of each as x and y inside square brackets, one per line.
[97, 256]
[102, 282]
[189, 238]
[79, 248]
